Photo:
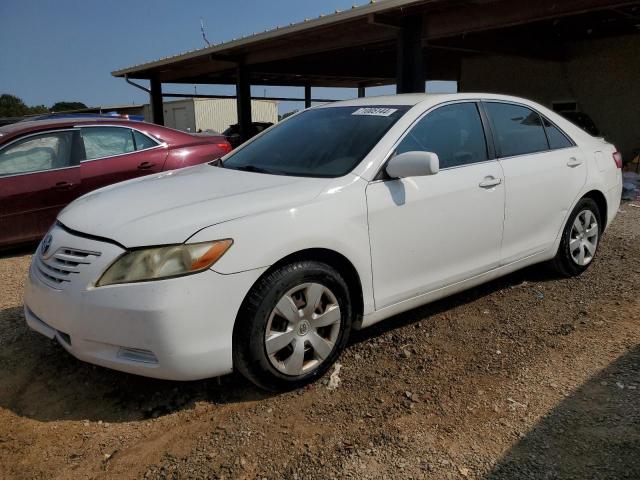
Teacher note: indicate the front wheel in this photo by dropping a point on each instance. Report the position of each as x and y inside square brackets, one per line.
[292, 326]
[580, 239]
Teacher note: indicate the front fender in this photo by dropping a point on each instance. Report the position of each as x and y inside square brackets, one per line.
[336, 220]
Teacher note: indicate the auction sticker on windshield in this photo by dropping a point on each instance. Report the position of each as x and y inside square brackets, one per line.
[375, 111]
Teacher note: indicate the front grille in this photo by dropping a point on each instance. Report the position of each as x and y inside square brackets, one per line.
[63, 265]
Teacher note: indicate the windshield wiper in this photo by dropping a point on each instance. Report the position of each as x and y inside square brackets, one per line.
[254, 169]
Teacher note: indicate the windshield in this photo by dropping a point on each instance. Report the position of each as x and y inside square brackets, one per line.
[322, 142]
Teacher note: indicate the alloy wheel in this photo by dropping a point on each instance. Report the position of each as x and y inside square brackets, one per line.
[584, 236]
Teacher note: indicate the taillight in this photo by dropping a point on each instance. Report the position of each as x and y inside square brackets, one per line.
[617, 157]
[224, 146]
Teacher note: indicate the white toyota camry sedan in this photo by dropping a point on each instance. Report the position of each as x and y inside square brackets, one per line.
[336, 218]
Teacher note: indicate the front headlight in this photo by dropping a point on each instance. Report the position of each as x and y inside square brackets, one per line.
[164, 262]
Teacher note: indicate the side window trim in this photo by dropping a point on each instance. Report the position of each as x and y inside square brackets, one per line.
[488, 136]
[131, 130]
[492, 147]
[542, 117]
[34, 134]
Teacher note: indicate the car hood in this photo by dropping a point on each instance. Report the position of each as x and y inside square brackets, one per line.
[170, 207]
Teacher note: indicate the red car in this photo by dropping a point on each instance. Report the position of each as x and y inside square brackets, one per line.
[46, 164]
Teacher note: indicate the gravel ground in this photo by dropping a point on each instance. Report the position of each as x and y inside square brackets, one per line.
[529, 376]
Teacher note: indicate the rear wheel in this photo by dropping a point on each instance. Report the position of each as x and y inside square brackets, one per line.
[580, 239]
[293, 326]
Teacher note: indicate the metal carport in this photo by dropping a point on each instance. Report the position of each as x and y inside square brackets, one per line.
[406, 42]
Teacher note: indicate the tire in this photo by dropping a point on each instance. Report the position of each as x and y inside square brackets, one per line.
[276, 323]
[565, 262]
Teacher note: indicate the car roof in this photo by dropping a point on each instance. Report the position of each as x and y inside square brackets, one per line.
[411, 99]
[63, 122]
[15, 129]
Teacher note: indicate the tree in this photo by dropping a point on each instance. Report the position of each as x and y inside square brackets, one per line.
[285, 115]
[66, 106]
[12, 106]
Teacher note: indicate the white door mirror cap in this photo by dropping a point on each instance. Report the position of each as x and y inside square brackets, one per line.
[413, 164]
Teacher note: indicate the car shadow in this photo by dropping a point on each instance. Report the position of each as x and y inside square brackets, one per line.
[594, 433]
[18, 250]
[538, 274]
[40, 380]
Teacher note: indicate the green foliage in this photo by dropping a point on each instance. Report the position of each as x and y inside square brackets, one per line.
[285, 115]
[66, 106]
[12, 106]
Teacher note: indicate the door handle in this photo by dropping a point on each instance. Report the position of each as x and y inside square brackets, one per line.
[62, 186]
[146, 165]
[574, 162]
[490, 182]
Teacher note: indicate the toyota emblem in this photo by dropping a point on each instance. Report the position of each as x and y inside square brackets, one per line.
[46, 244]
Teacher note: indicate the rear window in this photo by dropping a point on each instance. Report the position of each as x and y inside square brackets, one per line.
[518, 129]
[100, 142]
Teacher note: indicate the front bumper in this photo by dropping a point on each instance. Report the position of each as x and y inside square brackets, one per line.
[177, 329]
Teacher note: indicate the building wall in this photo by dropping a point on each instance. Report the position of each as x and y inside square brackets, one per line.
[219, 114]
[602, 76]
[180, 115]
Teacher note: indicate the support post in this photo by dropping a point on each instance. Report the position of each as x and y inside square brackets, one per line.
[307, 95]
[361, 91]
[410, 74]
[157, 108]
[243, 102]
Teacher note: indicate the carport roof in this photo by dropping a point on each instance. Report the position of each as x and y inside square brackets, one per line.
[357, 47]
[239, 44]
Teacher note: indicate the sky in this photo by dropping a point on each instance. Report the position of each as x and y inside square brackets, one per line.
[65, 50]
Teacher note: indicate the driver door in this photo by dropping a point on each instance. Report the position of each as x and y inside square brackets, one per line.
[432, 231]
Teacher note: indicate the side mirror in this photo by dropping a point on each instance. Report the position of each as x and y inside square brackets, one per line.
[413, 164]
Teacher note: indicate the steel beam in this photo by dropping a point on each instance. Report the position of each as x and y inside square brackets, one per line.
[307, 95]
[410, 74]
[243, 101]
[157, 109]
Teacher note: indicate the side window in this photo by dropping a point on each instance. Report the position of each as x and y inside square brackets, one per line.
[36, 153]
[454, 132]
[142, 141]
[518, 129]
[100, 142]
[557, 139]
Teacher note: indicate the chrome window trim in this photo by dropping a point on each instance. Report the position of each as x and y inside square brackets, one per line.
[424, 114]
[34, 134]
[158, 143]
[38, 171]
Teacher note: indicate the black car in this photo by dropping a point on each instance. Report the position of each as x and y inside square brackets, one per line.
[233, 132]
[583, 121]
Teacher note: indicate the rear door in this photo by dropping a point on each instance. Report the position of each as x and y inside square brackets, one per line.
[114, 154]
[39, 175]
[544, 172]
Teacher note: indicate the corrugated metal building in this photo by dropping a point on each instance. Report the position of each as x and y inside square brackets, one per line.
[201, 114]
